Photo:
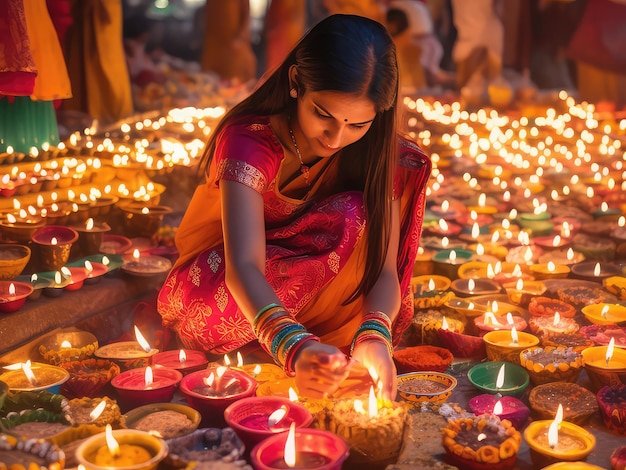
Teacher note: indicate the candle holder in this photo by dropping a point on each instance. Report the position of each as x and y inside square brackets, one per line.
[489, 321]
[512, 408]
[373, 440]
[88, 377]
[549, 364]
[603, 372]
[316, 448]
[22, 230]
[90, 236]
[13, 260]
[542, 271]
[143, 221]
[522, 296]
[67, 345]
[87, 453]
[578, 403]
[191, 362]
[484, 377]
[53, 244]
[212, 400]
[127, 354]
[115, 244]
[616, 285]
[430, 387]
[546, 326]
[604, 313]
[478, 286]
[448, 261]
[134, 390]
[47, 377]
[500, 346]
[612, 403]
[13, 295]
[595, 271]
[546, 307]
[251, 417]
[575, 443]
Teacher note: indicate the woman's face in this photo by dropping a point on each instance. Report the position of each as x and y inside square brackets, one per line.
[332, 120]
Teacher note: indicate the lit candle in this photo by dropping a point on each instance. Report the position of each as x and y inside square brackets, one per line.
[183, 360]
[506, 345]
[144, 385]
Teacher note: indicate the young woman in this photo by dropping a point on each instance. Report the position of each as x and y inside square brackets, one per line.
[304, 235]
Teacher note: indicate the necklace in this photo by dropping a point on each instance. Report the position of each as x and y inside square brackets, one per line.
[303, 168]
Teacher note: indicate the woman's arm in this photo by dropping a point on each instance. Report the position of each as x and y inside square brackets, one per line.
[384, 297]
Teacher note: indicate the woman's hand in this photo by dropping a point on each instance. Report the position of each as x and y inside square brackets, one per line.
[320, 369]
[374, 355]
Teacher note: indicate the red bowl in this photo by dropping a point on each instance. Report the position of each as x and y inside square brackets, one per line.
[249, 417]
[130, 386]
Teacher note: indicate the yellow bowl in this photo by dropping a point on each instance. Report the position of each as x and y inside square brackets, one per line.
[616, 285]
[614, 313]
[500, 346]
[431, 387]
[13, 260]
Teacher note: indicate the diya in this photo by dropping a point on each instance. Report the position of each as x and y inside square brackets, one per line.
[68, 345]
[605, 365]
[53, 244]
[34, 376]
[501, 378]
[431, 387]
[504, 345]
[604, 313]
[30, 453]
[541, 306]
[127, 354]
[551, 364]
[13, 295]
[145, 385]
[612, 403]
[169, 420]
[183, 360]
[578, 404]
[504, 407]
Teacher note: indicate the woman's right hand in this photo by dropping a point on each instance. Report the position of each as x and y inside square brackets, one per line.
[320, 369]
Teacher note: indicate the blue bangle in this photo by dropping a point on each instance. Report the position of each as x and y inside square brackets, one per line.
[368, 325]
[282, 334]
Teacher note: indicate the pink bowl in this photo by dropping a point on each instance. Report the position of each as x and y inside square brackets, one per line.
[212, 407]
[64, 235]
[249, 417]
[131, 388]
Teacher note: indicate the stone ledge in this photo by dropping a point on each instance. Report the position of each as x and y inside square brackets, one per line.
[105, 309]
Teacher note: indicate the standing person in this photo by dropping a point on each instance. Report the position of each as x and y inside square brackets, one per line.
[305, 233]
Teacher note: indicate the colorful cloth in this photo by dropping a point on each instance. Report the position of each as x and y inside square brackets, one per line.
[315, 245]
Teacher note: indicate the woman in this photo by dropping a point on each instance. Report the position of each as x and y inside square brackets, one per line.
[295, 238]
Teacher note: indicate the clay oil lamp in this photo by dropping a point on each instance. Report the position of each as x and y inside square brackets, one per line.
[146, 265]
[21, 227]
[471, 287]
[504, 407]
[492, 321]
[430, 291]
[550, 364]
[426, 387]
[34, 376]
[212, 390]
[13, 260]
[443, 229]
[182, 360]
[93, 270]
[499, 378]
[141, 386]
[302, 448]
[616, 285]
[605, 313]
[121, 449]
[551, 242]
[549, 270]
[143, 221]
[537, 223]
[76, 277]
[605, 365]
[36, 454]
[547, 307]
[459, 344]
[423, 262]
[476, 270]
[482, 441]
[90, 236]
[612, 403]
[128, 354]
[13, 295]
[506, 345]
[521, 292]
[595, 271]
[507, 273]
[557, 441]
[448, 261]
[372, 429]
[57, 282]
[53, 243]
[257, 418]
[67, 345]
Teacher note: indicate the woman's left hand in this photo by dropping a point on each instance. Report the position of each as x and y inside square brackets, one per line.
[374, 355]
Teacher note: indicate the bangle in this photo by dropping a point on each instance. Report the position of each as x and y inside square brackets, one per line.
[282, 334]
[262, 311]
[292, 350]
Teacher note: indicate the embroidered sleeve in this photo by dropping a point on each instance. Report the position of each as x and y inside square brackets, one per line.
[248, 153]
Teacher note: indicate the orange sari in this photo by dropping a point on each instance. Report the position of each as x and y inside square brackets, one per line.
[315, 246]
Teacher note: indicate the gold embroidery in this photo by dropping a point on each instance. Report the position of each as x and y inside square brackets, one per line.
[214, 261]
[255, 127]
[234, 328]
[194, 274]
[221, 298]
[242, 172]
[333, 262]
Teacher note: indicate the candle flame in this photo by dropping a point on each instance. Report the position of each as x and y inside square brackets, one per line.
[257, 370]
[88, 266]
[105, 260]
[605, 311]
[226, 360]
[551, 267]
[553, 434]
[66, 344]
[494, 306]
[220, 371]
[471, 285]
[490, 271]
[609, 350]
[276, 416]
[29, 373]
[481, 437]
[11, 289]
[372, 406]
[136, 254]
[497, 408]
[557, 319]
[114, 447]
[182, 356]
[57, 277]
[142, 341]
[558, 417]
[490, 319]
[358, 406]
[444, 324]
[431, 284]
[500, 377]
[239, 359]
[89, 224]
[149, 376]
[556, 241]
[519, 285]
[97, 411]
[293, 396]
[509, 318]
[208, 381]
[597, 270]
[54, 241]
[452, 256]
[290, 446]
[514, 336]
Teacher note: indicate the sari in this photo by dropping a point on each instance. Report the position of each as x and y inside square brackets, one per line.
[315, 245]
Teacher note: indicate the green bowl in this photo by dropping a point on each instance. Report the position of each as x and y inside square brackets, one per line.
[483, 376]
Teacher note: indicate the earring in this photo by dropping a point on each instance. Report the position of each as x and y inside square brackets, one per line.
[293, 93]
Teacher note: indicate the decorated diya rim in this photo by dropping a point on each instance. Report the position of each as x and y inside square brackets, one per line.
[39, 449]
[88, 376]
[541, 306]
[579, 404]
[513, 409]
[124, 350]
[615, 285]
[416, 387]
[82, 344]
[551, 364]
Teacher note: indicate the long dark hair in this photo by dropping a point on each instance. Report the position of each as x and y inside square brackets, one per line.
[348, 54]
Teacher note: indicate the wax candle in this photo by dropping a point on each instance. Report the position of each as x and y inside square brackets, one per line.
[144, 385]
[34, 376]
[549, 270]
[553, 441]
[507, 345]
[605, 365]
